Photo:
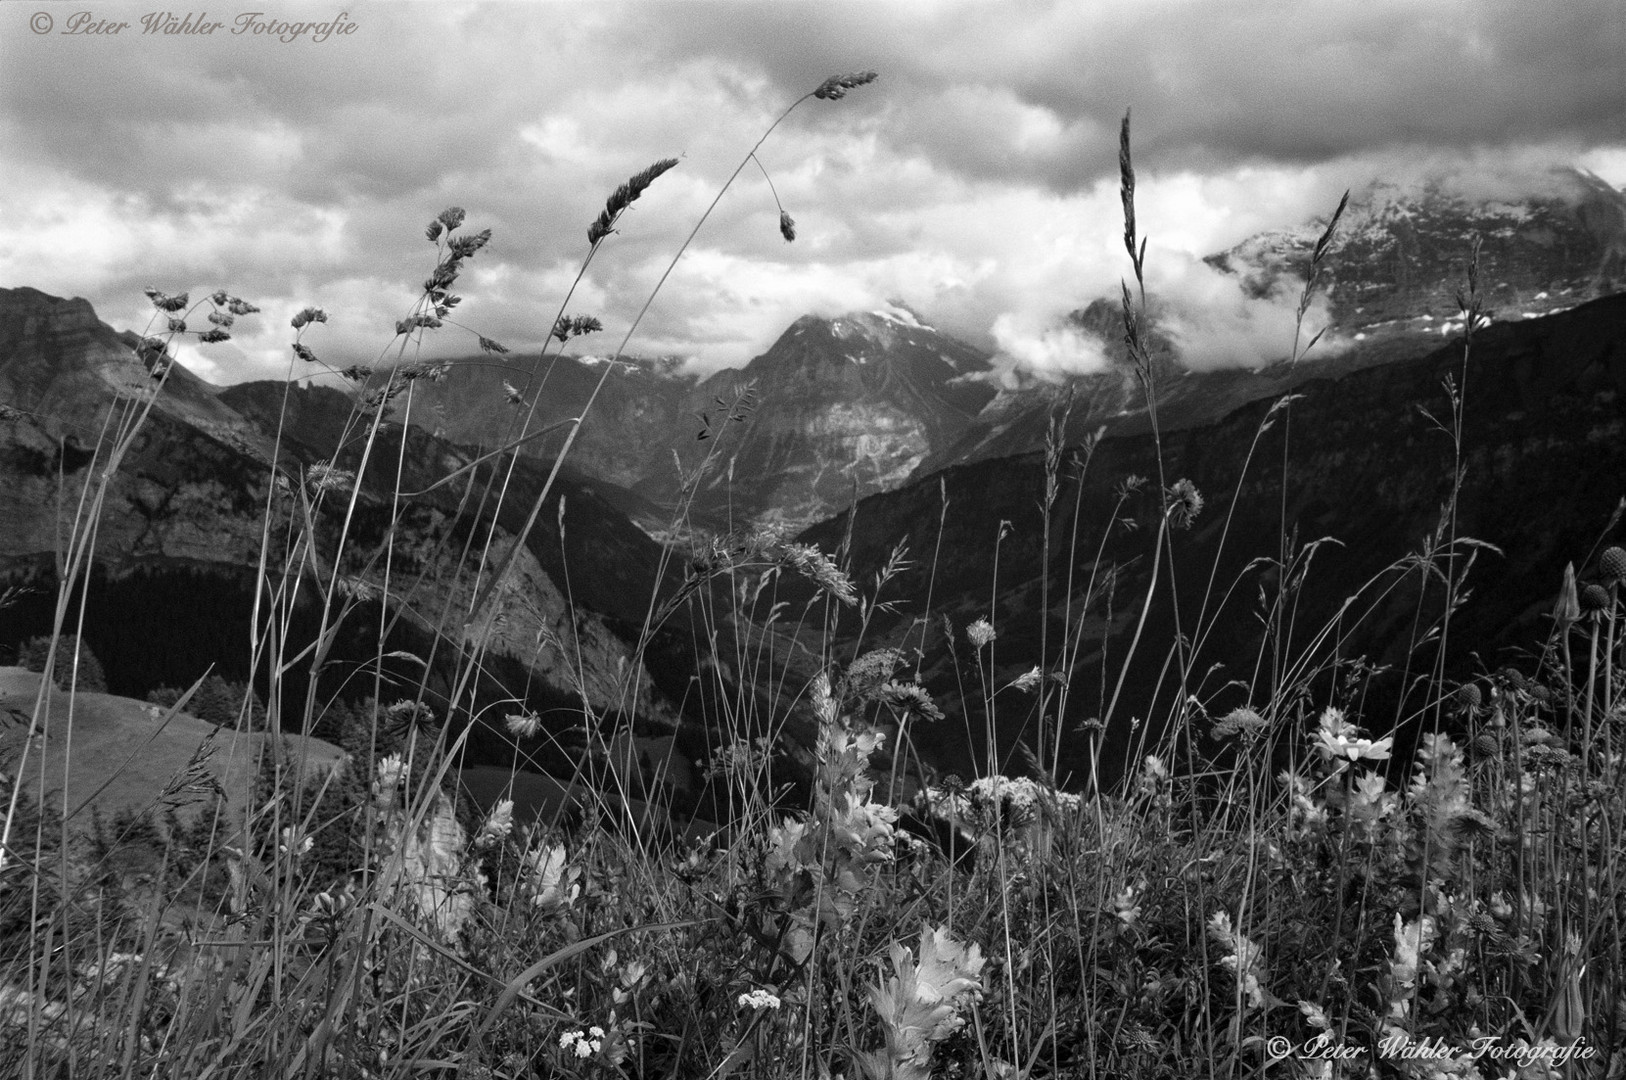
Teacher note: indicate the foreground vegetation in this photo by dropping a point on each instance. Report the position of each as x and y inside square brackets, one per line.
[1268, 893]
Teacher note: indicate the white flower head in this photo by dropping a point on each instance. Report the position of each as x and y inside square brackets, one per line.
[1028, 680]
[292, 846]
[584, 1044]
[523, 725]
[759, 999]
[1339, 740]
[498, 825]
[980, 633]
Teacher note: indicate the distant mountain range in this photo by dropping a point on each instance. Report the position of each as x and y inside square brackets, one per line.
[844, 407]
[835, 409]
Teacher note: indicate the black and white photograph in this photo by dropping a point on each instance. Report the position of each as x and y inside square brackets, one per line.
[813, 540]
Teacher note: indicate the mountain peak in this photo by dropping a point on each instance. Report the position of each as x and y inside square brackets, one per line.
[1401, 251]
[56, 314]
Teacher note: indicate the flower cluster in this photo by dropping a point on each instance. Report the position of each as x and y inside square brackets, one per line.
[583, 1044]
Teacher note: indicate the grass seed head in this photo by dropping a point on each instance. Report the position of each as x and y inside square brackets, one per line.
[623, 197]
[836, 86]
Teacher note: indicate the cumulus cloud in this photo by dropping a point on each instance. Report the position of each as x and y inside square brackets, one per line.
[1054, 350]
[976, 180]
[1214, 324]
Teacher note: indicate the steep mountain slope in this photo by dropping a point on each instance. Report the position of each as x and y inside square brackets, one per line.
[1544, 450]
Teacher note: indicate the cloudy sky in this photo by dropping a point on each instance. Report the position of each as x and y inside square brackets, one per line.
[975, 180]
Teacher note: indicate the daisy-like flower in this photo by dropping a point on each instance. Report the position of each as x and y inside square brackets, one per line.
[1338, 739]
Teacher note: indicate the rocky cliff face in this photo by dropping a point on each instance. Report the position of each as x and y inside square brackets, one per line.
[1543, 448]
[842, 408]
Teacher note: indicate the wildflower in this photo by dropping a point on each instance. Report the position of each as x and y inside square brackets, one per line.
[323, 477]
[550, 881]
[1412, 939]
[787, 226]
[1304, 807]
[309, 315]
[391, 771]
[1613, 564]
[980, 633]
[405, 715]
[1126, 903]
[290, 847]
[1027, 681]
[1154, 777]
[1242, 956]
[523, 725]
[1594, 598]
[1184, 503]
[1338, 739]
[919, 1005]
[759, 999]
[584, 1044]
[913, 698]
[498, 825]
[1241, 721]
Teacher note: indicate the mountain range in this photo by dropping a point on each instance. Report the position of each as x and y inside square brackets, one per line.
[866, 431]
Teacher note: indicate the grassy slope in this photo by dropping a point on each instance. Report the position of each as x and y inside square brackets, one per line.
[124, 744]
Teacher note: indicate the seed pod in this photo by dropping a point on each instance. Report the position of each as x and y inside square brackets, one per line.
[1468, 695]
[1613, 564]
[1594, 598]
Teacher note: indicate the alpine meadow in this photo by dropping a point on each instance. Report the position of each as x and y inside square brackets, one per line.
[870, 711]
